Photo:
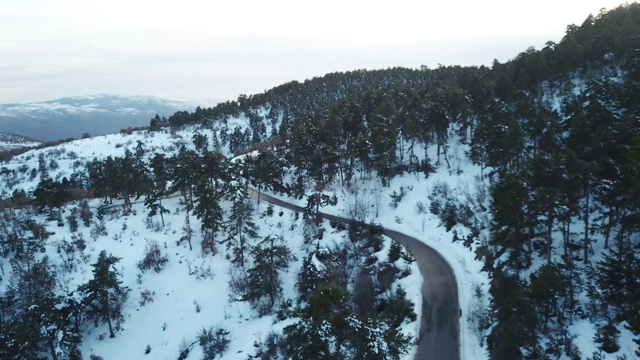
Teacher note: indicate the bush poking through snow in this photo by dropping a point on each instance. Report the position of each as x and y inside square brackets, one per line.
[146, 296]
[214, 341]
[153, 258]
[397, 197]
[270, 348]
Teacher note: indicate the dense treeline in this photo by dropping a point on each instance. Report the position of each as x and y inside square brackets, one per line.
[38, 322]
[557, 131]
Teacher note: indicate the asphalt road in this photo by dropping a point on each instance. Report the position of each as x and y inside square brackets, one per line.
[439, 326]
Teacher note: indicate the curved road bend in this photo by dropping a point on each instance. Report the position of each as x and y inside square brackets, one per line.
[439, 326]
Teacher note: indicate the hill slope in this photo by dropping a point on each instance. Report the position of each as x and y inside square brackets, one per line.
[13, 141]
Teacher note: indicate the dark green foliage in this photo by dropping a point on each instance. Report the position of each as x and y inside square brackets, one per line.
[33, 319]
[607, 336]
[153, 258]
[214, 341]
[201, 142]
[270, 348]
[317, 200]
[617, 277]
[397, 197]
[563, 175]
[448, 216]
[207, 209]
[85, 213]
[328, 329]
[395, 251]
[125, 176]
[512, 337]
[367, 237]
[263, 286]
[241, 230]
[398, 309]
[103, 295]
[72, 220]
[309, 277]
[547, 288]
[51, 194]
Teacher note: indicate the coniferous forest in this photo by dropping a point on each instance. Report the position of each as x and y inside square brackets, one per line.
[555, 133]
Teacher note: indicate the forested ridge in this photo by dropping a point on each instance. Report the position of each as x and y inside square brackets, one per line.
[555, 133]
[556, 130]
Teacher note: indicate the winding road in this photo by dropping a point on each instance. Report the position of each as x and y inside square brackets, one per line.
[439, 325]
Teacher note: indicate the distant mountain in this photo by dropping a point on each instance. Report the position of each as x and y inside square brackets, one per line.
[13, 141]
[96, 115]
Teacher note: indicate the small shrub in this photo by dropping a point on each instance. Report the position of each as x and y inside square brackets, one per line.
[73, 223]
[270, 348]
[397, 197]
[448, 216]
[269, 211]
[85, 213]
[395, 251]
[214, 341]
[98, 230]
[78, 240]
[153, 258]
[146, 296]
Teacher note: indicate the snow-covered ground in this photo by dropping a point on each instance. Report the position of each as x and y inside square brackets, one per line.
[172, 318]
[13, 141]
[192, 292]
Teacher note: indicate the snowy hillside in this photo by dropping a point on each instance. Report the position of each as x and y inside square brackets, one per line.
[13, 141]
[166, 310]
[96, 115]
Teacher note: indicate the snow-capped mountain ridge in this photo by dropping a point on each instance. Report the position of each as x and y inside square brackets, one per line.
[94, 114]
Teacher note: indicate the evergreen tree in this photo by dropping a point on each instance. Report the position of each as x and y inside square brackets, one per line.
[512, 337]
[104, 295]
[158, 189]
[207, 209]
[51, 194]
[617, 277]
[241, 229]
[264, 286]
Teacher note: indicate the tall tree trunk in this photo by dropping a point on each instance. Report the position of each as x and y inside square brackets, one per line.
[607, 231]
[548, 236]
[586, 225]
[108, 310]
[52, 349]
[161, 211]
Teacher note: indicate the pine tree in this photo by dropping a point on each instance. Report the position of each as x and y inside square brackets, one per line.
[104, 295]
[207, 209]
[264, 286]
[309, 277]
[617, 278]
[311, 337]
[512, 336]
[510, 198]
[241, 229]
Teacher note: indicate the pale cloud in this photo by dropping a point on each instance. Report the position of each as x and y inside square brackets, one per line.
[218, 49]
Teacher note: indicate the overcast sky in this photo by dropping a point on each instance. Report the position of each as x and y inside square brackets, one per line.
[219, 49]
